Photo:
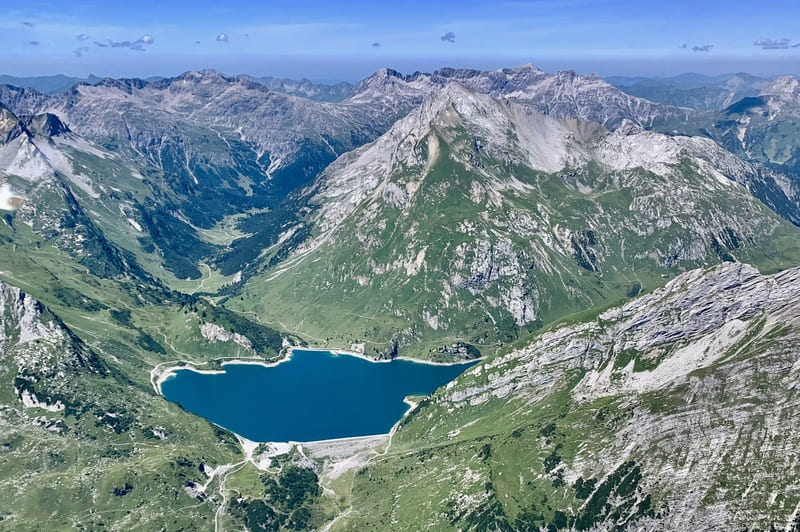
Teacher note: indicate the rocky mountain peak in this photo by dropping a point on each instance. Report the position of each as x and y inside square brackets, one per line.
[387, 85]
[628, 127]
[564, 94]
[206, 74]
[8, 124]
[454, 96]
[456, 73]
[524, 68]
[385, 79]
[462, 74]
[785, 87]
[195, 80]
[46, 125]
[126, 85]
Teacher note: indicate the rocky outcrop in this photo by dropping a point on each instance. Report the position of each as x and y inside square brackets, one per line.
[39, 351]
[707, 312]
[785, 88]
[214, 333]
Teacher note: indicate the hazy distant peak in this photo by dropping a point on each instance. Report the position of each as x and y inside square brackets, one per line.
[458, 73]
[787, 87]
[525, 67]
[384, 76]
[204, 75]
[389, 84]
[388, 72]
[127, 85]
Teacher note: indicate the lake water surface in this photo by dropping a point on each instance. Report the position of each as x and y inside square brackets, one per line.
[313, 396]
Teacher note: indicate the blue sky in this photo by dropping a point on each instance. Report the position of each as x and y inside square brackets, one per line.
[349, 39]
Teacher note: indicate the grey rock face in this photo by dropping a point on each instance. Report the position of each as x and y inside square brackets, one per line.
[41, 352]
[564, 94]
[706, 373]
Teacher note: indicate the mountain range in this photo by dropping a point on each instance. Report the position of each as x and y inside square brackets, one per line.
[696, 91]
[763, 127]
[47, 84]
[626, 268]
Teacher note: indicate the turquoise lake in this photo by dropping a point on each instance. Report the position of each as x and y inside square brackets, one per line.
[314, 396]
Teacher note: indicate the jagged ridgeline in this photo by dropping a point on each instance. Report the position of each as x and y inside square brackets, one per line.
[695, 91]
[204, 147]
[476, 221]
[214, 159]
[466, 225]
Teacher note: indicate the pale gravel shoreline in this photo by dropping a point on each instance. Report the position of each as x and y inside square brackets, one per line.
[337, 352]
[157, 378]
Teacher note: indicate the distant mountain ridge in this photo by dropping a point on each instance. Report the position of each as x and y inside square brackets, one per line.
[387, 94]
[324, 92]
[47, 84]
[564, 94]
[204, 129]
[763, 128]
[697, 91]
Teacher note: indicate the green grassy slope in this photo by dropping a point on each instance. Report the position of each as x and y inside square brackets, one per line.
[478, 260]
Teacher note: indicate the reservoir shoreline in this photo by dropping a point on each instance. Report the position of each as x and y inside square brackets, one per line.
[167, 370]
[157, 377]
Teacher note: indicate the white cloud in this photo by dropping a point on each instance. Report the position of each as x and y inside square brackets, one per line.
[775, 44]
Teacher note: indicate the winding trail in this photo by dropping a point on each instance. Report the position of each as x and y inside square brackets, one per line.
[248, 447]
[223, 491]
[203, 280]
